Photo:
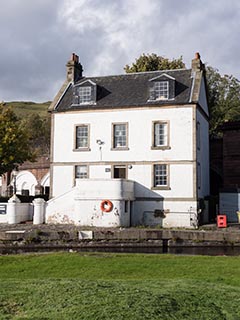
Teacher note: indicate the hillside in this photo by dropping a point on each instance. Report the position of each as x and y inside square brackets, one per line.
[24, 109]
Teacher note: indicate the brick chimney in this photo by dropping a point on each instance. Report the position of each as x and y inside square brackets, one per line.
[74, 68]
[197, 64]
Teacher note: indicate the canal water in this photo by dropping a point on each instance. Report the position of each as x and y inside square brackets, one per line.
[183, 250]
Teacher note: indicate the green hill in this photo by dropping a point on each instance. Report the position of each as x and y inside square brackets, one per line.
[24, 109]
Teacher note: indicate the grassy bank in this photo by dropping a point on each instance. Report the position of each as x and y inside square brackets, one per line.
[119, 286]
[25, 108]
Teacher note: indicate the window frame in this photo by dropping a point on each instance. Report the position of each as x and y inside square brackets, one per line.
[161, 187]
[162, 85]
[125, 147]
[89, 95]
[165, 91]
[81, 97]
[120, 165]
[81, 165]
[84, 148]
[165, 146]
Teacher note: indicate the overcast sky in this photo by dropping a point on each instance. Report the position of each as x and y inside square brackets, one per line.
[38, 36]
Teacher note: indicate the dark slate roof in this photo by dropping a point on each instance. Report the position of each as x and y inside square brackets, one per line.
[129, 90]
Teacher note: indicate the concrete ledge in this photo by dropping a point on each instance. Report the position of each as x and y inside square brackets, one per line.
[62, 234]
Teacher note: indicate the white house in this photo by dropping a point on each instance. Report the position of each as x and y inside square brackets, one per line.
[139, 141]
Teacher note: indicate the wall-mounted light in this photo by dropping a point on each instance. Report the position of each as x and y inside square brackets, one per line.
[129, 166]
[99, 142]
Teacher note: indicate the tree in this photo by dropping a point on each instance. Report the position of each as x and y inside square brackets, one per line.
[39, 131]
[14, 141]
[223, 99]
[223, 91]
[153, 62]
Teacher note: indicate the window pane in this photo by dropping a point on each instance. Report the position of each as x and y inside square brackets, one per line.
[82, 137]
[160, 134]
[81, 172]
[161, 90]
[120, 135]
[160, 175]
[84, 94]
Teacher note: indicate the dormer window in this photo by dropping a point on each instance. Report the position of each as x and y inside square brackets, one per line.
[161, 88]
[85, 93]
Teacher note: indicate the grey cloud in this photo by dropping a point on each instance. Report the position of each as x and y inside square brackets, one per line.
[38, 37]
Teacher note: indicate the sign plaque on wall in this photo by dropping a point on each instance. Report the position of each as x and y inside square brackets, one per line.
[3, 208]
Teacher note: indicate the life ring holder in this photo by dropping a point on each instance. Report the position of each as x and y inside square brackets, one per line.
[106, 206]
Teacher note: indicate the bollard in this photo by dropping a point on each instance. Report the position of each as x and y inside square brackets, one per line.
[39, 211]
[12, 209]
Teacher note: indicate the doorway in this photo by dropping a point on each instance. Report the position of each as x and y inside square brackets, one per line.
[119, 172]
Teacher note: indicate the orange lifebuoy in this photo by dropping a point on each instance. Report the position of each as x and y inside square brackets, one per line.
[106, 206]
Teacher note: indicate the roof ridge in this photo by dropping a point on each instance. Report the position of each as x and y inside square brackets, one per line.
[137, 73]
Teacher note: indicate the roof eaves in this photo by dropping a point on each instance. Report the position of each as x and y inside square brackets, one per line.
[60, 95]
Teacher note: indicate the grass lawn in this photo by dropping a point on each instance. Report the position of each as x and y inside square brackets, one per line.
[119, 286]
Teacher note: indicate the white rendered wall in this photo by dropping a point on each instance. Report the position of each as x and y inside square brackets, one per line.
[174, 213]
[61, 209]
[140, 155]
[63, 179]
[140, 135]
[16, 212]
[178, 202]
[3, 216]
[82, 204]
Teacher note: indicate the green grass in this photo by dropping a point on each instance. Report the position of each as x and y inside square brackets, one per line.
[119, 286]
[23, 108]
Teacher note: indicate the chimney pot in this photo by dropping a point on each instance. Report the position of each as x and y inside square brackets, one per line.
[74, 68]
[197, 55]
[197, 64]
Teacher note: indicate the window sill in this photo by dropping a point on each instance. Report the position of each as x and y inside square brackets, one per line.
[81, 178]
[120, 149]
[161, 188]
[92, 103]
[161, 148]
[81, 149]
[161, 100]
